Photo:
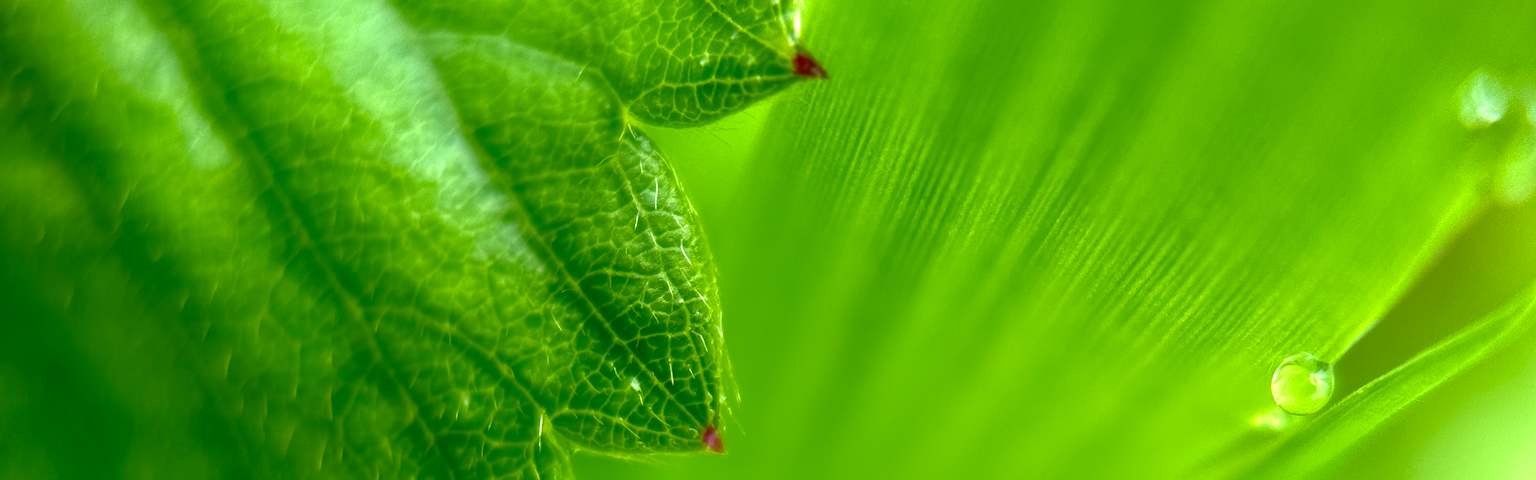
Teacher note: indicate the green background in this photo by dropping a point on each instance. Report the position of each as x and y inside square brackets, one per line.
[1067, 240]
[842, 384]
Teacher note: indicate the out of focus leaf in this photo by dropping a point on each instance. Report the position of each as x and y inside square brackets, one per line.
[1074, 239]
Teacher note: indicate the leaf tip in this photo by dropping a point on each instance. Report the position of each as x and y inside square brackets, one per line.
[806, 66]
[712, 440]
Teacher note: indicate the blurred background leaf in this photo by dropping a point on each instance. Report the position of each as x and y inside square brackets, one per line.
[1073, 239]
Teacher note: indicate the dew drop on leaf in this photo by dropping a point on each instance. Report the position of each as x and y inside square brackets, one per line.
[1484, 100]
[1302, 384]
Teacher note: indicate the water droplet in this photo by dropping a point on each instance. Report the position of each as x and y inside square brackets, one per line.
[1276, 420]
[634, 383]
[1302, 384]
[1484, 100]
[704, 60]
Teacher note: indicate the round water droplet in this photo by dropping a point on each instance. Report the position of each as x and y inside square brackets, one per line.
[1302, 384]
[1484, 100]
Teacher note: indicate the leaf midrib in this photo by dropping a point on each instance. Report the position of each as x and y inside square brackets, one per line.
[205, 85]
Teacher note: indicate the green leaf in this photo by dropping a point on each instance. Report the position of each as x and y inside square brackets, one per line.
[1475, 425]
[1379, 401]
[671, 62]
[352, 242]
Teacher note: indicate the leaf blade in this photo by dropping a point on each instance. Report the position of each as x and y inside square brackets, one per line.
[1371, 406]
[291, 184]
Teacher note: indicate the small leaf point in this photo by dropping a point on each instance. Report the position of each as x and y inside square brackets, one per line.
[806, 66]
[712, 440]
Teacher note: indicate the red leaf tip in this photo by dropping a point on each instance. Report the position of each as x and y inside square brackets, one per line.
[712, 440]
[806, 66]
